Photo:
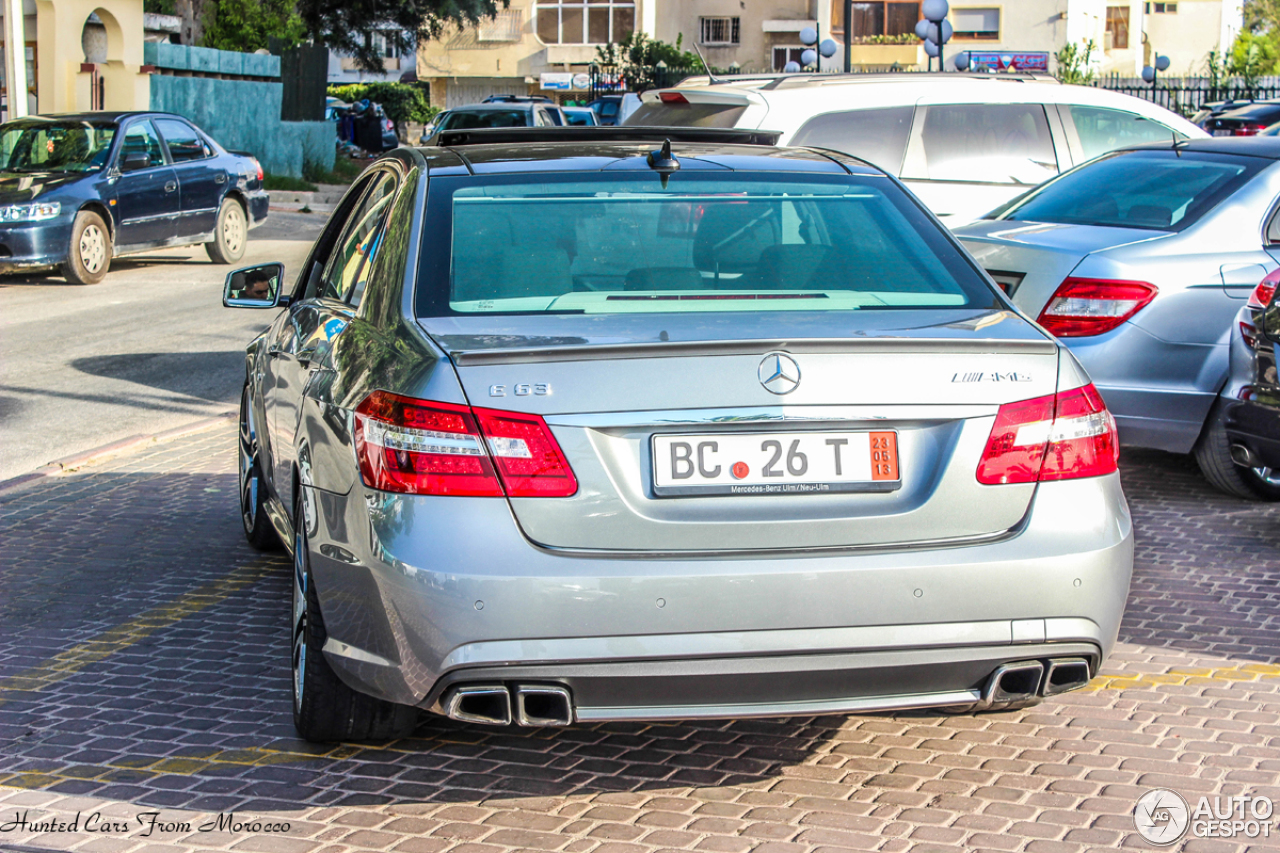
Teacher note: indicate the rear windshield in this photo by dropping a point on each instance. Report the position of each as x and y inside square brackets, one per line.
[1156, 190]
[729, 242]
[659, 114]
[485, 118]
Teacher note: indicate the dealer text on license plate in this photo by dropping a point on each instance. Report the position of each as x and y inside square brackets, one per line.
[775, 463]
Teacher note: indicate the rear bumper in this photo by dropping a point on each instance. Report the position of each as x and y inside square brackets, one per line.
[39, 244]
[447, 592]
[259, 204]
[1257, 427]
[1159, 392]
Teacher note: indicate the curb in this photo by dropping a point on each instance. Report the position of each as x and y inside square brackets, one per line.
[77, 460]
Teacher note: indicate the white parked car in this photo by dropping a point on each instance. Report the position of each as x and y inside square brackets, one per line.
[964, 143]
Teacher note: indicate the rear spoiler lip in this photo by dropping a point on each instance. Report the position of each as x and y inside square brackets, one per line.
[676, 349]
[624, 133]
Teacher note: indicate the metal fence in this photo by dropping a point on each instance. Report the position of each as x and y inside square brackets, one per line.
[1185, 95]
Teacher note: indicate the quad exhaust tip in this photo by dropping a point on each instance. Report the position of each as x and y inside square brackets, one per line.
[496, 705]
[488, 704]
[543, 705]
[1014, 682]
[1066, 674]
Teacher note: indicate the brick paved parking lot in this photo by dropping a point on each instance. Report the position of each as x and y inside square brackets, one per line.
[144, 677]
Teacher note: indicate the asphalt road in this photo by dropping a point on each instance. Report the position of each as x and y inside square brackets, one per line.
[149, 349]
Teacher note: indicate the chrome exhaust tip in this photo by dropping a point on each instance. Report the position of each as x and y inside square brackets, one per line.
[1014, 682]
[1243, 457]
[543, 705]
[1066, 674]
[487, 704]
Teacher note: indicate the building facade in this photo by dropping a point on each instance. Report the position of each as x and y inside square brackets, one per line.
[547, 46]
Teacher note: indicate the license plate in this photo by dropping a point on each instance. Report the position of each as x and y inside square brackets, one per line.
[1221, 132]
[781, 463]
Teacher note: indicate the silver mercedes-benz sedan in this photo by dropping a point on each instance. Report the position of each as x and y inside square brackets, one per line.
[573, 424]
[1139, 261]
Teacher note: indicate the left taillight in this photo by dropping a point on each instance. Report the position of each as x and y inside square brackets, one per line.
[428, 448]
[1261, 296]
[1062, 436]
[1081, 307]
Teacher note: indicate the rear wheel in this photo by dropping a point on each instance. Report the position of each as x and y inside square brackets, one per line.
[324, 708]
[89, 255]
[1213, 455]
[253, 492]
[230, 234]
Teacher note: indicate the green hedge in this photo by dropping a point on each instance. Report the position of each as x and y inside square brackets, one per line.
[401, 101]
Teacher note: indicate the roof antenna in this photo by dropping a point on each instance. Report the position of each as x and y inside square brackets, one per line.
[664, 162]
[704, 62]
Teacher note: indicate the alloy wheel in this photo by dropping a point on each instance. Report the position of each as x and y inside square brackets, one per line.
[233, 229]
[93, 248]
[250, 480]
[1267, 475]
[300, 579]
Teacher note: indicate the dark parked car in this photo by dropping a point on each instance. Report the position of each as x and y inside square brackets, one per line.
[606, 108]
[1246, 120]
[526, 112]
[78, 190]
[1249, 405]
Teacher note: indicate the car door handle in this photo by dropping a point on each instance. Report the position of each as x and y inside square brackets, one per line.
[170, 186]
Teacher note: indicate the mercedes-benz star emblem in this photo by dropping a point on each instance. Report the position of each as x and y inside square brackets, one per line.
[779, 373]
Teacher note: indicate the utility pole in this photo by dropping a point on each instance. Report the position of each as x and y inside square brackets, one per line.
[15, 58]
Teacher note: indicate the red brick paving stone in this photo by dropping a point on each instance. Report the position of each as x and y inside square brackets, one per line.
[422, 845]
[1069, 769]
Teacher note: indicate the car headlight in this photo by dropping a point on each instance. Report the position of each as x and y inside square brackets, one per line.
[30, 212]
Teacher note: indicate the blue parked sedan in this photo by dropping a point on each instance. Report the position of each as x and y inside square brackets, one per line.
[78, 190]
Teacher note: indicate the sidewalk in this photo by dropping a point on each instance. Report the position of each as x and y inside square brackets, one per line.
[323, 200]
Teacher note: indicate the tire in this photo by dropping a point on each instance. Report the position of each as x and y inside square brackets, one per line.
[1213, 455]
[324, 708]
[253, 492]
[230, 234]
[89, 255]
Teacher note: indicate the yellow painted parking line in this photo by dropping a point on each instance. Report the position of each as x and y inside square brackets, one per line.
[1193, 676]
[67, 663]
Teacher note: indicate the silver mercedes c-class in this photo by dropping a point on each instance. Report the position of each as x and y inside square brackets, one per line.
[570, 425]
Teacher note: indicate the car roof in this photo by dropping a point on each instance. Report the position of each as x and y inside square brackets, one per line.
[596, 155]
[101, 115]
[1247, 146]
[500, 106]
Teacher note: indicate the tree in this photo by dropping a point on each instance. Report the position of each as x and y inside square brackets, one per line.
[249, 25]
[348, 26]
[1074, 62]
[1253, 56]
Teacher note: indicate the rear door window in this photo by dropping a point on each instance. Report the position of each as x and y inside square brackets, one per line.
[877, 136]
[1103, 130]
[348, 269]
[986, 143]
[183, 140]
[1156, 190]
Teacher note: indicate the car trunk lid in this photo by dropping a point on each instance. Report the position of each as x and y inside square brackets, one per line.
[1030, 259]
[617, 397]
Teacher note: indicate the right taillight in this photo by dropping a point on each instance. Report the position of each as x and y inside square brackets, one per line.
[1261, 296]
[1091, 306]
[1058, 437]
[428, 448]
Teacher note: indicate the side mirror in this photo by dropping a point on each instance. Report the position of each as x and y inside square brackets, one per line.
[254, 287]
[135, 160]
